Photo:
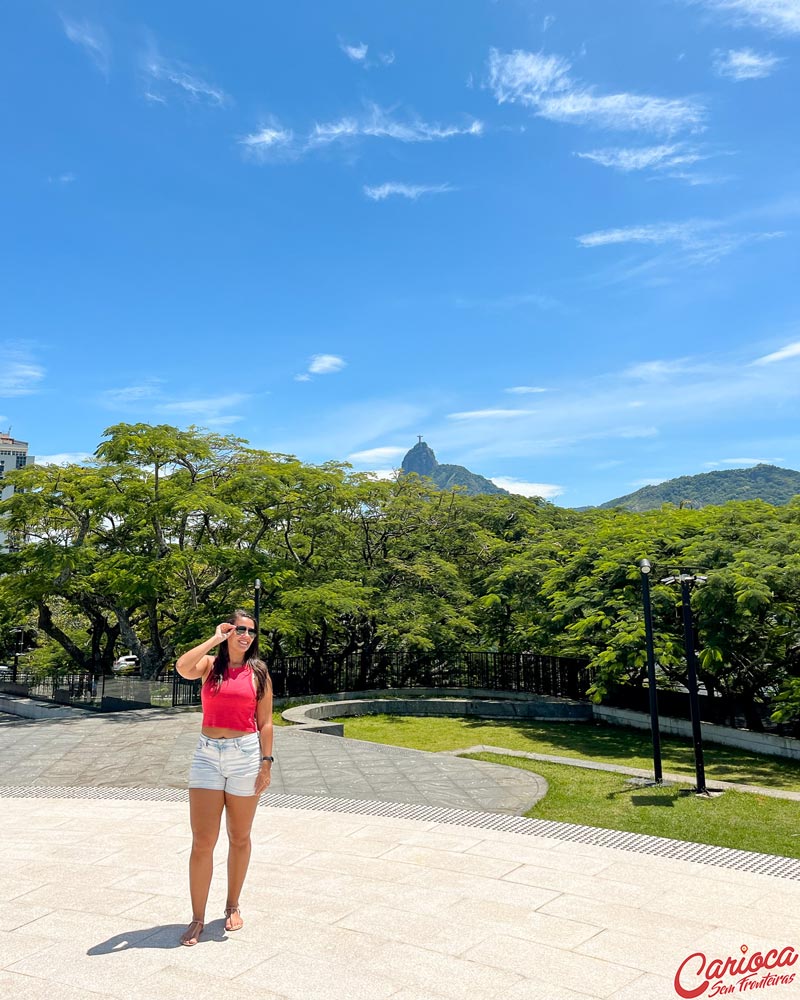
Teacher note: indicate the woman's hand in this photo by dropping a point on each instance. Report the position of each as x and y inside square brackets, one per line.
[263, 777]
[224, 629]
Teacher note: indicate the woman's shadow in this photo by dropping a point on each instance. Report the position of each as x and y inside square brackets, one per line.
[165, 937]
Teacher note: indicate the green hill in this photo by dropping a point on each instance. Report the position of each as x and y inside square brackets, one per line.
[421, 459]
[761, 482]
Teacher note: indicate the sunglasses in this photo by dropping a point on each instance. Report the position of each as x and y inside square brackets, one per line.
[241, 629]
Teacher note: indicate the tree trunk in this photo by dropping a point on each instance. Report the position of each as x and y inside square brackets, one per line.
[49, 627]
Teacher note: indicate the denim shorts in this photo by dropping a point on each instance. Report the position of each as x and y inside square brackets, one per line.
[229, 765]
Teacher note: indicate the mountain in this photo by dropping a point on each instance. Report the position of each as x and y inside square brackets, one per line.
[761, 482]
[421, 459]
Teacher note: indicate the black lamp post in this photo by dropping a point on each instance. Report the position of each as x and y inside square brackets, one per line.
[687, 581]
[645, 569]
[19, 637]
[257, 612]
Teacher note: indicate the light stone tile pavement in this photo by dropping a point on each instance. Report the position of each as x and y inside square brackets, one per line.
[345, 897]
[393, 908]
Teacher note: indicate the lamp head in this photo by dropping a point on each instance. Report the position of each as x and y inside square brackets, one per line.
[645, 567]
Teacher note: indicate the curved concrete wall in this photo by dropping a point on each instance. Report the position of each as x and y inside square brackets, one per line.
[313, 716]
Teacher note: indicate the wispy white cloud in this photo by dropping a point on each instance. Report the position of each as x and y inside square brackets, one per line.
[524, 390]
[702, 241]
[548, 22]
[742, 462]
[411, 191]
[92, 39]
[378, 123]
[784, 354]
[511, 301]
[640, 158]
[633, 431]
[624, 112]
[659, 371]
[326, 364]
[180, 77]
[672, 160]
[321, 364]
[61, 179]
[382, 454]
[20, 375]
[207, 411]
[269, 140]
[527, 77]
[150, 396]
[358, 52]
[698, 178]
[779, 16]
[354, 426]
[544, 84]
[489, 414]
[275, 141]
[586, 411]
[525, 489]
[745, 64]
[209, 403]
[148, 389]
[675, 232]
[586, 416]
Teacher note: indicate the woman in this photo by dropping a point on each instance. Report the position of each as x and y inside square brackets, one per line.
[232, 763]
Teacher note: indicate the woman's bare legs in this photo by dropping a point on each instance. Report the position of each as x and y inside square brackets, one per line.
[205, 812]
[239, 813]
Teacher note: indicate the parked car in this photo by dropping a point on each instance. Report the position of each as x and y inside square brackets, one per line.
[125, 663]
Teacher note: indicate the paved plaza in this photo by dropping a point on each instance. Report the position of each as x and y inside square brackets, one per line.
[376, 873]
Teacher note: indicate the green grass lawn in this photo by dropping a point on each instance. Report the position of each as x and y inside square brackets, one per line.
[749, 822]
[745, 821]
[585, 740]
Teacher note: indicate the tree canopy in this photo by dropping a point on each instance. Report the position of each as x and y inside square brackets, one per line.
[149, 545]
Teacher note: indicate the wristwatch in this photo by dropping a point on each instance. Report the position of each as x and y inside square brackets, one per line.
[270, 759]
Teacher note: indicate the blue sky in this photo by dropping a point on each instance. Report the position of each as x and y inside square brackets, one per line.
[557, 238]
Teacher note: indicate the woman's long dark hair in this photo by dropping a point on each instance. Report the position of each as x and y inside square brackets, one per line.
[253, 661]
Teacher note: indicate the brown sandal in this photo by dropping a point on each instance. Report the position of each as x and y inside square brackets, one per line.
[190, 937]
[229, 911]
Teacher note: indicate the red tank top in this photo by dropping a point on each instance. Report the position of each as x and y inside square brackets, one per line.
[232, 705]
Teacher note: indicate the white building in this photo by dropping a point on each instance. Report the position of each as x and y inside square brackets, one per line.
[13, 455]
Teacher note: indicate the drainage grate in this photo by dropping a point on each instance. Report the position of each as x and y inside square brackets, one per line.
[678, 850]
[90, 792]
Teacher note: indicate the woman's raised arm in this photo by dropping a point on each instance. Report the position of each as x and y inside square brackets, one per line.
[193, 663]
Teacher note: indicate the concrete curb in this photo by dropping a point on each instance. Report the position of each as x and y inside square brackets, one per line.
[30, 708]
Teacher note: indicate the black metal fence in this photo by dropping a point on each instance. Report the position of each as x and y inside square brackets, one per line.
[721, 710]
[77, 688]
[302, 676]
[532, 673]
[113, 693]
